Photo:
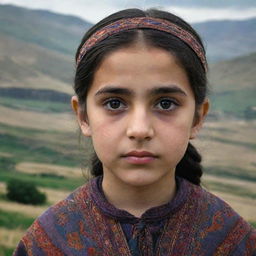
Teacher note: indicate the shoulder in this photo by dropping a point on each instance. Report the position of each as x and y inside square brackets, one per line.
[210, 203]
[213, 208]
[218, 222]
[74, 226]
[67, 209]
[58, 225]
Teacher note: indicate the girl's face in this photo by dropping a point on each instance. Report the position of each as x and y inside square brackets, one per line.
[140, 115]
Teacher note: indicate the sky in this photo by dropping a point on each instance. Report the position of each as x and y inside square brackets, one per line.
[190, 10]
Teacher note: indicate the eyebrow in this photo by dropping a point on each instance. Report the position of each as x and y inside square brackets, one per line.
[114, 90]
[167, 89]
[154, 91]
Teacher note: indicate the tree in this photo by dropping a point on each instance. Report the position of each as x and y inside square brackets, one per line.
[24, 192]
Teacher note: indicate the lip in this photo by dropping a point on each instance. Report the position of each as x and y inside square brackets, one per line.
[140, 154]
[139, 157]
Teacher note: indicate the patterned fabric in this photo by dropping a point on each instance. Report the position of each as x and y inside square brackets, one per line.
[143, 22]
[197, 224]
[141, 233]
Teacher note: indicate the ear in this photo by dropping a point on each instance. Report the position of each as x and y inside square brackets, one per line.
[199, 119]
[81, 117]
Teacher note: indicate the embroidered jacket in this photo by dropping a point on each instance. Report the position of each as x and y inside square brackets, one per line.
[194, 223]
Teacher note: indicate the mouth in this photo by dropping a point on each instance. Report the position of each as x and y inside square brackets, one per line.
[139, 157]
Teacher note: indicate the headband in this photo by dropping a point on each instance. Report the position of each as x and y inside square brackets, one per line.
[143, 22]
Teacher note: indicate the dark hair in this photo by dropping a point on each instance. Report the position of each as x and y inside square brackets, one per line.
[189, 167]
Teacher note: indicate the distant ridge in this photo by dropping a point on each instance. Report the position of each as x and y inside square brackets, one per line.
[236, 74]
[37, 50]
[223, 39]
[53, 31]
[233, 86]
[27, 65]
[228, 39]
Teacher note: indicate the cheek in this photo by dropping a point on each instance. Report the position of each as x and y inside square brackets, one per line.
[175, 135]
[102, 131]
[174, 147]
[175, 139]
[104, 136]
[176, 127]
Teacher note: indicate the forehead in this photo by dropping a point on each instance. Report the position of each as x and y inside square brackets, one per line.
[140, 67]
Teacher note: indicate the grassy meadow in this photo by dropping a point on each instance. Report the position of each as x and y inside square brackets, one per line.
[49, 156]
[52, 156]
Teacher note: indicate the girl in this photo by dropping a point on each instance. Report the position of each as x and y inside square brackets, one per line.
[141, 96]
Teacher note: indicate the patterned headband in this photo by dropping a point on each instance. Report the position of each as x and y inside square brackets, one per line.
[144, 22]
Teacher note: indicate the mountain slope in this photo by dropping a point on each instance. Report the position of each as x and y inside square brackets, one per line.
[235, 74]
[27, 65]
[233, 85]
[37, 51]
[228, 39]
[62, 33]
[57, 32]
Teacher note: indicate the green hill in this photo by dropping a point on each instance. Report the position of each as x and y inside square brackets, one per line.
[233, 85]
[27, 65]
[37, 48]
[56, 32]
[37, 52]
[223, 39]
[235, 74]
[228, 39]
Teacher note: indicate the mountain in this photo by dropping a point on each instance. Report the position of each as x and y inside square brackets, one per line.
[61, 33]
[37, 52]
[236, 74]
[228, 39]
[27, 65]
[233, 86]
[37, 48]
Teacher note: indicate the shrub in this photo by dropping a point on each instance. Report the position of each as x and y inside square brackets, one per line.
[24, 192]
[7, 163]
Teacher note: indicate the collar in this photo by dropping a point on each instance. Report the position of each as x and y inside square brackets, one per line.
[151, 215]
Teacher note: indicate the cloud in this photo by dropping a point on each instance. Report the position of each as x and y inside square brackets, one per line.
[90, 10]
[192, 14]
[93, 10]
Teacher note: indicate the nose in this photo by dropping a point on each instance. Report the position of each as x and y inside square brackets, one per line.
[140, 125]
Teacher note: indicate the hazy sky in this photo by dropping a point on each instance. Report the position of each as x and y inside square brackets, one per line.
[190, 10]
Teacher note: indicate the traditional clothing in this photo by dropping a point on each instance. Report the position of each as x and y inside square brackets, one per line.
[195, 223]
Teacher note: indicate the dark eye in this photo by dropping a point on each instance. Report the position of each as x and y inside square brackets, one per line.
[166, 104]
[114, 104]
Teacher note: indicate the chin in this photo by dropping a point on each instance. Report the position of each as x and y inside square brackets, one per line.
[140, 179]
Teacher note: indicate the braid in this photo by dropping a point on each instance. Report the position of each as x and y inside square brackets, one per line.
[190, 167]
[96, 166]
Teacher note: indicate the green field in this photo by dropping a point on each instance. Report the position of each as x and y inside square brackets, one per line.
[47, 181]
[232, 189]
[62, 149]
[233, 102]
[232, 172]
[40, 146]
[35, 105]
[14, 220]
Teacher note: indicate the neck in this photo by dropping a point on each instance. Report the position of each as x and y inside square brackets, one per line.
[138, 199]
